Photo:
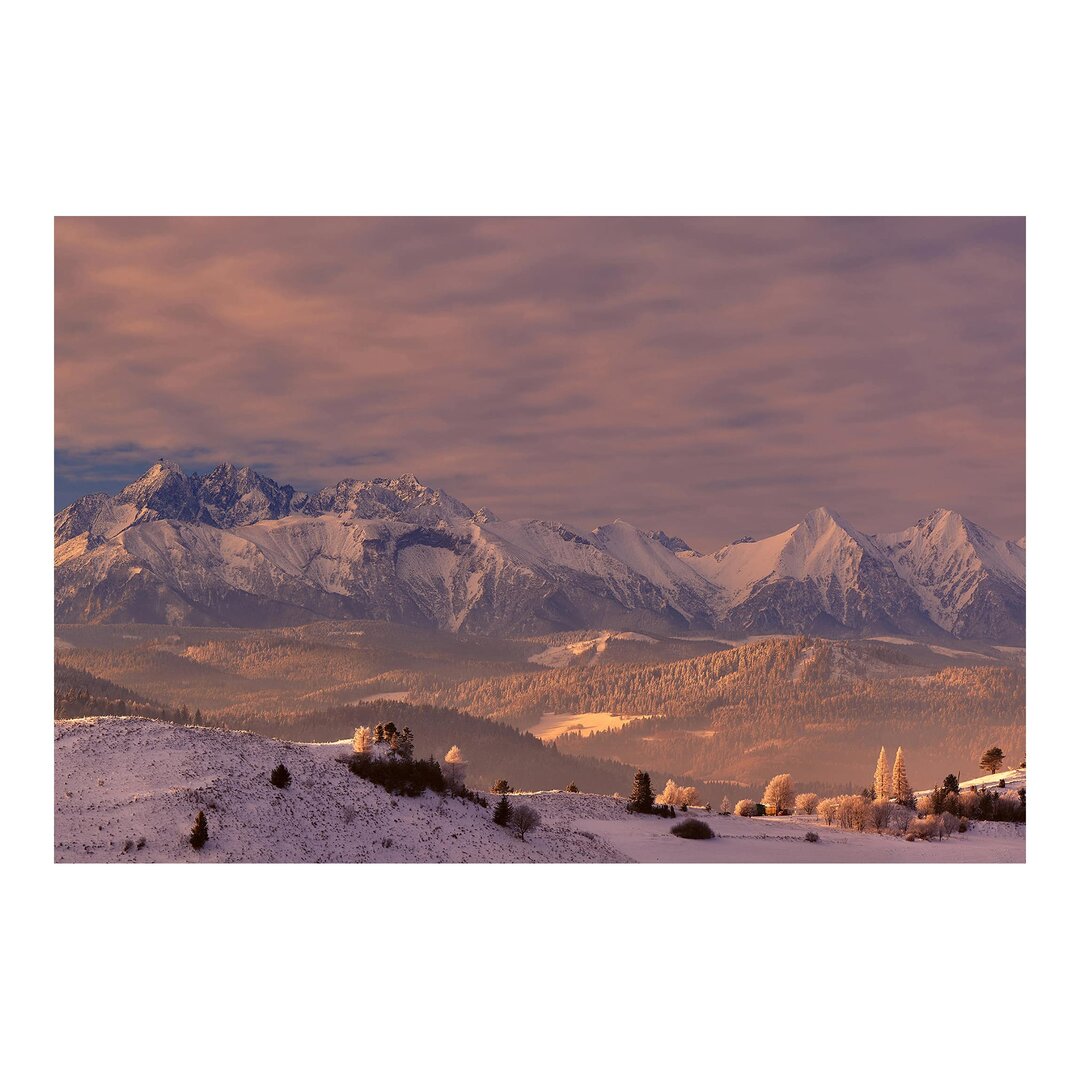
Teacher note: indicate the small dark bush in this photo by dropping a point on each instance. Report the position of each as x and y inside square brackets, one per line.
[501, 787]
[693, 829]
[811, 837]
[410, 778]
[281, 777]
[571, 788]
[200, 833]
[962, 827]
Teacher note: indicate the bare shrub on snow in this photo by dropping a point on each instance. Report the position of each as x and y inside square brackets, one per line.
[902, 817]
[523, 819]
[880, 814]
[853, 813]
[926, 828]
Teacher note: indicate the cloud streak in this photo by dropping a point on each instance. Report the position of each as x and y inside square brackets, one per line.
[711, 377]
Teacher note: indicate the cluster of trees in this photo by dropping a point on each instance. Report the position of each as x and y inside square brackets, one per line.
[675, 795]
[495, 749]
[384, 738]
[643, 800]
[520, 818]
[975, 804]
[892, 783]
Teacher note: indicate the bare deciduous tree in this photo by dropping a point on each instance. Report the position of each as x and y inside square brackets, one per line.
[523, 819]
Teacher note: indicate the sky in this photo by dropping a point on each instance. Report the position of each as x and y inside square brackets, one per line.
[711, 377]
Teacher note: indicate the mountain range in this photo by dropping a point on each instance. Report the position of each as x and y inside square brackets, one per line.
[235, 548]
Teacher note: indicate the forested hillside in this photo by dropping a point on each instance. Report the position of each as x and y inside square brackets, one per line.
[814, 706]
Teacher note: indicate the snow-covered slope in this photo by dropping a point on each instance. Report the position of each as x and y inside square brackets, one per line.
[236, 548]
[128, 790]
[971, 582]
[821, 575]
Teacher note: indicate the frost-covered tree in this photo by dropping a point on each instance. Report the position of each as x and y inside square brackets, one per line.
[501, 787]
[455, 766]
[806, 803]
[882, 779]
[674, 795]
[900, 786]
[778, 792]
[362, 740]
[991, 761]
[746, 808]
[725, 805]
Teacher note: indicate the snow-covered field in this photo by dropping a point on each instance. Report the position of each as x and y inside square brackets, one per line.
[560, 656]
[782, 840]
[128, 789]
[552, 725]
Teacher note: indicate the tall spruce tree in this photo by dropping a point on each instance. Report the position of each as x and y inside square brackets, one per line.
[642, 797]
[882, 780]
[901, 787]
[502, 811]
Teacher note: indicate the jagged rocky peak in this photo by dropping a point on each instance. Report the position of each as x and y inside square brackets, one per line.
[230, 496]
[673, 543]
[403, 498]
[485, 516]
[163, 490]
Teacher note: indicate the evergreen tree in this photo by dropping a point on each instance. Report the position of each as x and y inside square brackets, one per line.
[952, 783]
[882, 780]
[280, 777]
[380, 735]
[501, 787]
[642, 797]
[502, 811]
[992, 759]
[901, 787]
[198, 718]
[199, 831]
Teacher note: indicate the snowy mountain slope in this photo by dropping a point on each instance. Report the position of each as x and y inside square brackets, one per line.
[236, 548]
[971, 582]
[820, 575]
[128, 790]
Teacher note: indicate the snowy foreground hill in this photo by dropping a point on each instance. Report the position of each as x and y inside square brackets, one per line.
[235, 548]
[127, 790]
